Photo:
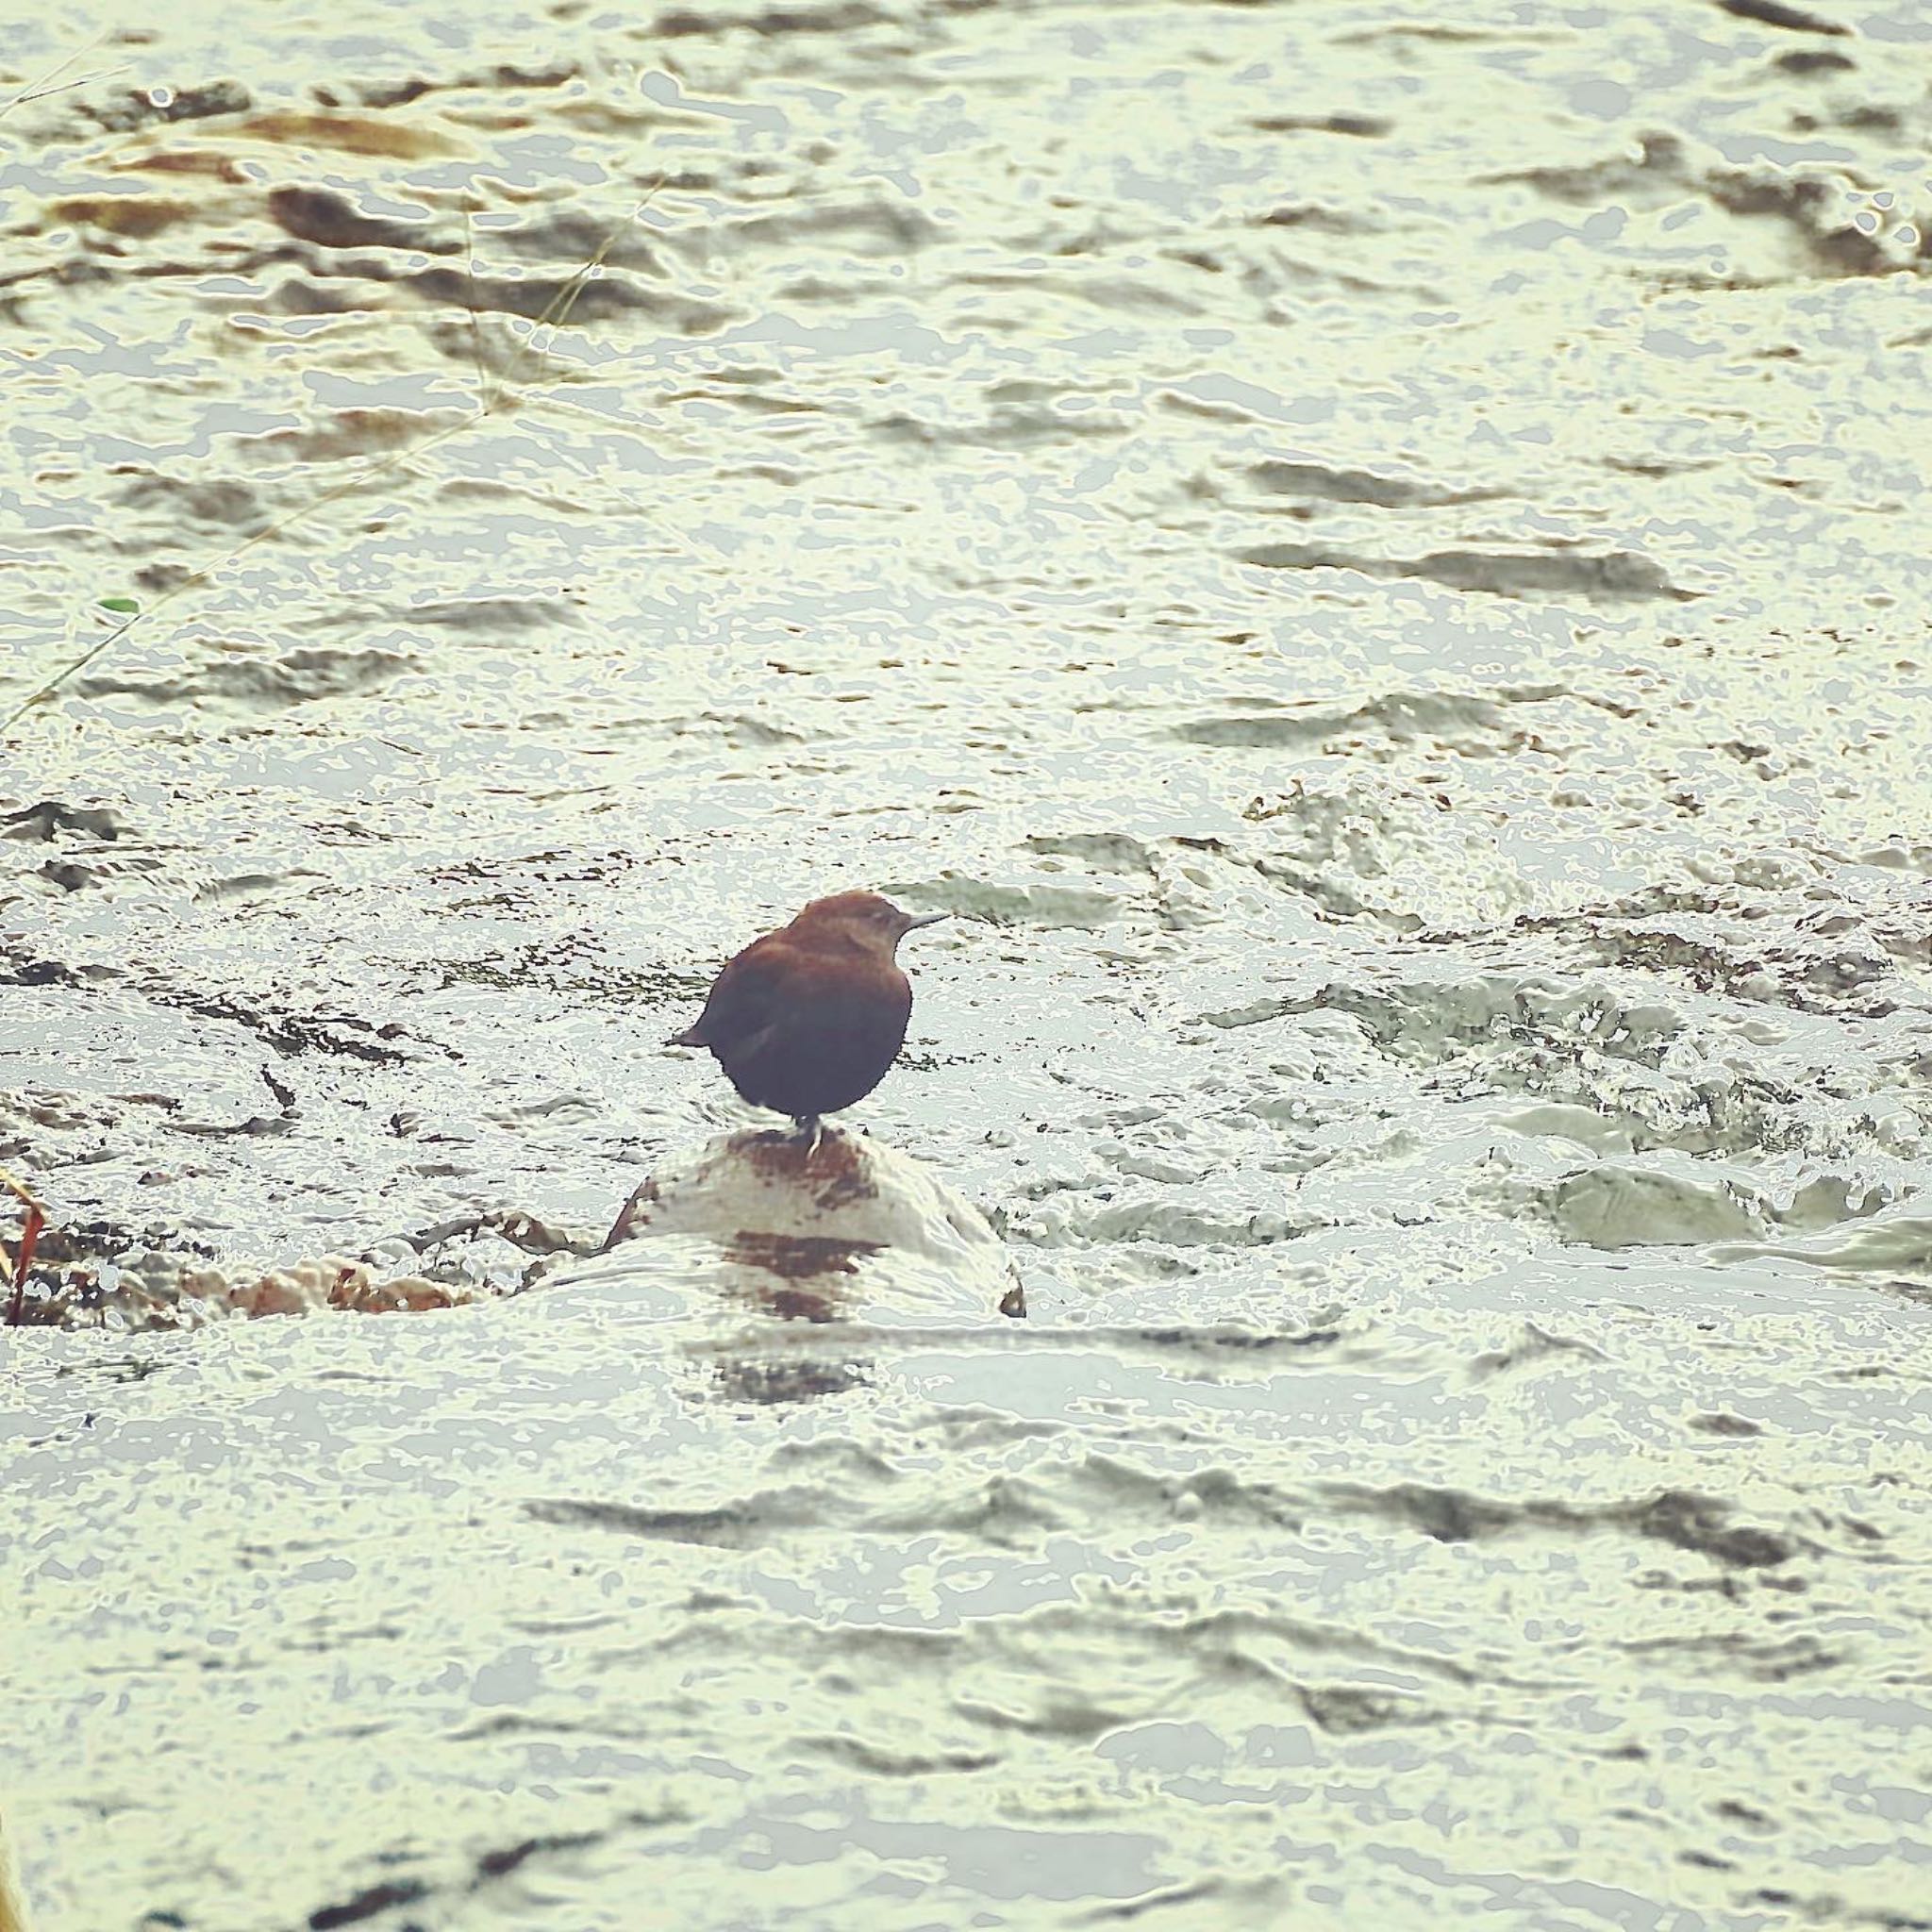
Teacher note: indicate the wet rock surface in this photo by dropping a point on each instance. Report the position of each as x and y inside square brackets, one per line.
[822, 1227]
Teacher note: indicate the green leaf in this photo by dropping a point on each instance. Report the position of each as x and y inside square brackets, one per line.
[127, 605]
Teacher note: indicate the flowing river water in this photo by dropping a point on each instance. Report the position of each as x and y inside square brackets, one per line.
[1376, 561]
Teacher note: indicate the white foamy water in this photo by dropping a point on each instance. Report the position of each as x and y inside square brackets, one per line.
[1376, 564]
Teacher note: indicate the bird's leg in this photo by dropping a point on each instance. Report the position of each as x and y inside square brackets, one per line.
[808, 1131]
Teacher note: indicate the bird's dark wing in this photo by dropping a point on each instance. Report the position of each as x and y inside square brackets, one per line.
[741, 1006]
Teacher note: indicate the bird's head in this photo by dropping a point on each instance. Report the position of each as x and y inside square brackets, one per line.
[860, 918]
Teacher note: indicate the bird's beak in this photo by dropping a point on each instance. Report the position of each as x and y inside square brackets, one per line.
[926, 918]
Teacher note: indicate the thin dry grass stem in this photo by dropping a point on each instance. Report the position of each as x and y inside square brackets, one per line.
[35, 1218]
[483, 397]
[558, 313]
[555, 316]
[39, 90]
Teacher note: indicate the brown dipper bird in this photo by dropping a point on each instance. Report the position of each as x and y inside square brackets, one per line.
[808, 1019]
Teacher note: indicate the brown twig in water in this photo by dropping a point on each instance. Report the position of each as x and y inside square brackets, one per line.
[35, 1219]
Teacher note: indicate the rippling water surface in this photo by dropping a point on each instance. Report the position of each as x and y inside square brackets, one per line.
[1377, 559]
